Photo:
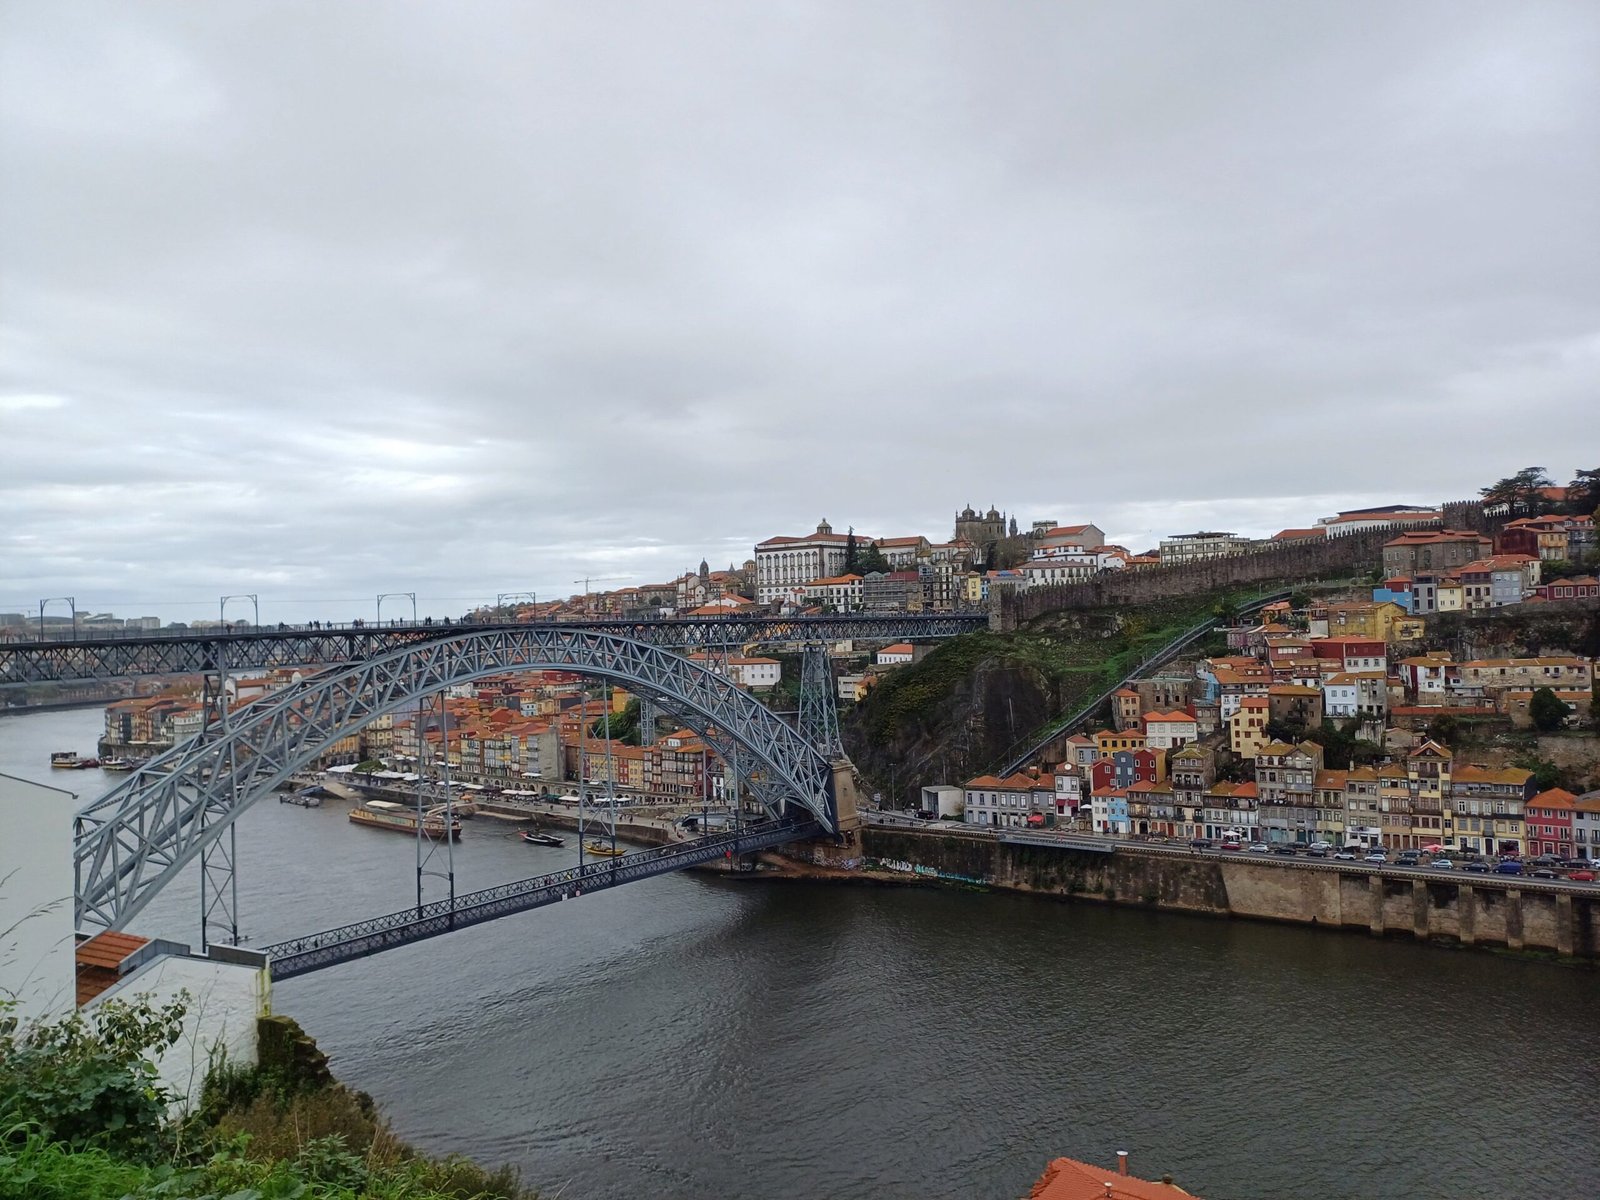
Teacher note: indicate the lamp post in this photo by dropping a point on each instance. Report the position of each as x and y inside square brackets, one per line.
[411, 596]
[71, 603]
[502, 597]
[255, 608]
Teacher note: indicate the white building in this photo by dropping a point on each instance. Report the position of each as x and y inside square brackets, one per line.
[1169, 730]
[1341, 696]
[784, 563]
[36, 937]
[745, 670]
[1068, 790]
[942, 800]
[842, 592]
[1586, 826]
[1005, 802]
[900, 652]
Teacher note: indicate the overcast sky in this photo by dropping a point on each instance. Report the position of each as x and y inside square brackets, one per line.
[323, 300]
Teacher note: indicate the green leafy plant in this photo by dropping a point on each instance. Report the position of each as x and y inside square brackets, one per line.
[87, 1079]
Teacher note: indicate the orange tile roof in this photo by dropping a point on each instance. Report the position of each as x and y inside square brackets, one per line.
[1069, 1179]
[99, 962]
[108, 949]
[1554, 798]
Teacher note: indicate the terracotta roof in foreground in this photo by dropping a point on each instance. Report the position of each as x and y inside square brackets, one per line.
[1069, 1179]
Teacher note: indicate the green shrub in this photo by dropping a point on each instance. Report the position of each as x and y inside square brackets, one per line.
[87, 1080]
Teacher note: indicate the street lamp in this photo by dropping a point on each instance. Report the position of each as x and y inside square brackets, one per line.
[411, 596]
[71, 602]
[502, 597]
[255, 606]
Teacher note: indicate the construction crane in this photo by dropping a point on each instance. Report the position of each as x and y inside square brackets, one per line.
[588, 579]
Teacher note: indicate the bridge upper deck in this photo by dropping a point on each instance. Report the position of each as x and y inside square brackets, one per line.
[104, 656]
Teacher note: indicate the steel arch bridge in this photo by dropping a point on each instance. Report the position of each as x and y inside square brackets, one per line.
[105, 657]
[137, 837]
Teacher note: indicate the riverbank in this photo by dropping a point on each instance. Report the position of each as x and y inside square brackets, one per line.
[1492, 912]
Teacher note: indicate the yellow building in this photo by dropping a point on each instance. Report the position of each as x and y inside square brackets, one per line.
[1428, 781]
[1108, 741]
[1377, 619]
[1247, 726]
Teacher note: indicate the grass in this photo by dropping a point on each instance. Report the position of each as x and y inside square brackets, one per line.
[322, 1169]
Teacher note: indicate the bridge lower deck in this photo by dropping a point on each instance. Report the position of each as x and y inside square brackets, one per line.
[300, 956]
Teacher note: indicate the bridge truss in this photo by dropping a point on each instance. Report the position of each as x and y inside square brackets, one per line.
[24, 662]
[141, 834]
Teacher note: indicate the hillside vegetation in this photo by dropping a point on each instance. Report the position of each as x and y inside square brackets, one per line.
[962, 708]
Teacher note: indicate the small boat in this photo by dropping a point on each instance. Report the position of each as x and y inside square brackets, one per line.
[535, 838]
[116, 764]
[601, 850]
[69, 760]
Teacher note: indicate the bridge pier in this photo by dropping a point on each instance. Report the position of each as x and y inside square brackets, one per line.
[1513, 919]
[1375, 891]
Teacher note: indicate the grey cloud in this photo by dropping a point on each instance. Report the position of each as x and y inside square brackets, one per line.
[339, 299]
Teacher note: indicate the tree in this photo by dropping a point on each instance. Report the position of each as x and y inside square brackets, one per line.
[1583, 494]
[850, 552]
[624, 725]
[1547, 710]
[1445, 730]
[871, 559]
[1546, 774]
[1519, 492]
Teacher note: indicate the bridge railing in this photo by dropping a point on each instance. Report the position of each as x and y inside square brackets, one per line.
[297, 956]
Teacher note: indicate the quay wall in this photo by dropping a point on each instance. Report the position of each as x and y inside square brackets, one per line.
[1469, 910]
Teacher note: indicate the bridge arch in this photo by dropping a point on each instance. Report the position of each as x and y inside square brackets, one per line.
[140, 835]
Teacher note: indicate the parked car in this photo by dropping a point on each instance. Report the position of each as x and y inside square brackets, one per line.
[1258, 847]
[1408, 858]
[1283, 848]
[1200, 843]
[1322, 845]
[1544, 873]
[1510, 867]
[1345, 856]
[1376, 857]
[1583, 876]
[1477, 867]
[1443, 864]
[1316, 853]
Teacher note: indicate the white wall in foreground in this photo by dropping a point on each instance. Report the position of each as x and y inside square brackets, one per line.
[36, 942]
[224, 1001]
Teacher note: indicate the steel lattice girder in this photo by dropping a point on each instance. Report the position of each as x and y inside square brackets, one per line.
[111, 657]
[137, 837]
[302, 955]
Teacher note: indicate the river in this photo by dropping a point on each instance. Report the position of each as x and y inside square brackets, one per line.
[694, 1037]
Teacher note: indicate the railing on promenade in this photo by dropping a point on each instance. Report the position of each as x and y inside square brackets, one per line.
[1112, 845]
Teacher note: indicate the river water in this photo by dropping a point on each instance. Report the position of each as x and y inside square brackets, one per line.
[694, 1037]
